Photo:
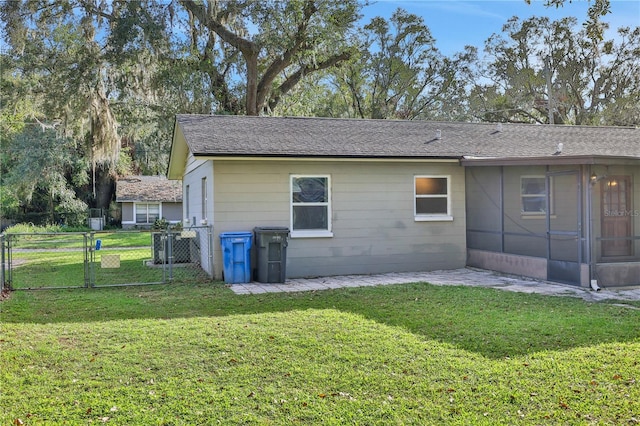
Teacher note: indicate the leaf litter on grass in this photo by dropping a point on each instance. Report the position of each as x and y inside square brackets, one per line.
[336, 363]
[271, 365]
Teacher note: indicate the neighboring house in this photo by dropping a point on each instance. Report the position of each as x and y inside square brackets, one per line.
[373, 196]
[145, 199]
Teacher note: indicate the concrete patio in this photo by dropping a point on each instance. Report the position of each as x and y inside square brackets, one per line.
[466, 276]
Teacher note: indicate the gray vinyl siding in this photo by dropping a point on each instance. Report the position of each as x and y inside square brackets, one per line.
[373, 225]
[196, 170]
[172, 212]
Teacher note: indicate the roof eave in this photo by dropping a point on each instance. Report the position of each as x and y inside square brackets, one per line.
[148, 200]
[178, 154]
[308, 157]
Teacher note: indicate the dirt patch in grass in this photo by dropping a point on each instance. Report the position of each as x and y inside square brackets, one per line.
[15, 262]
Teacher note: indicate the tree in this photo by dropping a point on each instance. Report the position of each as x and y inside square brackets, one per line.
[57, 53]
[538, 66]
[112, 75]
[400, 66]
[91, 69]
[397, 73]
[292, 39]
[43, 162]
[593, 26]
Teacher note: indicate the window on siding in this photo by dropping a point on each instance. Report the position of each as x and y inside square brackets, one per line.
[147, 213]
[204, 199]
[310, 206]
[533, 194]
[187, 200]
[432, 198]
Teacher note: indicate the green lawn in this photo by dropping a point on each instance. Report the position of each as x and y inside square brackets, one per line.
[402, 354]
[47, 241]
[66, 268]
[58, 260]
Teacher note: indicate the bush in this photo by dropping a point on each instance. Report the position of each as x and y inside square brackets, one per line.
[26, 228]
[161, 223]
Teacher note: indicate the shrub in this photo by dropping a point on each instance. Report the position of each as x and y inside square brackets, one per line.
[27, 228]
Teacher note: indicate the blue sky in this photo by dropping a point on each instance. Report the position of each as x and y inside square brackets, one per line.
[455, 24]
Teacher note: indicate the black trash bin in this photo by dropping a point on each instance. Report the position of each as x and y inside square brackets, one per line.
[271, 245]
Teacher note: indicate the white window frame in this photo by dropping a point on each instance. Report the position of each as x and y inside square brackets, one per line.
[311, 233]
[146, 206]
[205, 201]
[432, 217]
[186, 200]
[538, 214]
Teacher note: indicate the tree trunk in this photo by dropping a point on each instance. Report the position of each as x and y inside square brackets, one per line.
[52, 210]
[251, 57]
[104, 187]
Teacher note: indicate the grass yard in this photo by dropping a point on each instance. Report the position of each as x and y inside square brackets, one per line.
[38, 269]
[403, 354]
[48, 269]
[58, 260]
[77, 240]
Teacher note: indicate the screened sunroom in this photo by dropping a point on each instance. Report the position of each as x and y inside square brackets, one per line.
[576, 223]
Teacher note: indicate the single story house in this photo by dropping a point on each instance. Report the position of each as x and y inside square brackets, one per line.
[560, 203]
[145, 199]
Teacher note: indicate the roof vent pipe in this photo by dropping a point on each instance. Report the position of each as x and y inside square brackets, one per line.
[499, 127]
[438, 134]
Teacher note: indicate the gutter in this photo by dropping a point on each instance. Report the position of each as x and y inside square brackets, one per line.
[343, 158]
[470, 161]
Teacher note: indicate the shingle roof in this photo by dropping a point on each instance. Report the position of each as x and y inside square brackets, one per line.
[148, 189]
[211, 135]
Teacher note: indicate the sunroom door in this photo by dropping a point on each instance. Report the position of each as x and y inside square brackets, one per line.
[616, 217]
[564, 219]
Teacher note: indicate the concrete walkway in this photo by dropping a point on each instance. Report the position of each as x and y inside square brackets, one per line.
[466, 276]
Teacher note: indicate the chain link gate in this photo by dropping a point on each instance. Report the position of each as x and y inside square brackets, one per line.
[101, 259]
[45, 260]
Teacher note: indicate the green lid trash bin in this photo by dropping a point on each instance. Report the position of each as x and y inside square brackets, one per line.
[271, 254]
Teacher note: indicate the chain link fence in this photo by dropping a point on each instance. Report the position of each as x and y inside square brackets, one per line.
[100, 259]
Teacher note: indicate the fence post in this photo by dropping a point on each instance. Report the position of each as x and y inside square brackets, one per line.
[164, 256]
[170, 237]
[9, 259]
[210, 247]
[2, 265]
[86, 260]
[89, 251]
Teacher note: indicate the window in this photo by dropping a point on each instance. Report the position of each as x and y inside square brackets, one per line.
[534, 195]
[147, 213]
[432, 198]
[186, 203]
[203, 218]
[310, 206]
